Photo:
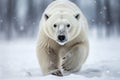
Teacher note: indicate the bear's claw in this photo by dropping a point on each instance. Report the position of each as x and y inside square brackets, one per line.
[57, 73]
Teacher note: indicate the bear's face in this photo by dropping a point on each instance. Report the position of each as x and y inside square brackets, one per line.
[62, 27]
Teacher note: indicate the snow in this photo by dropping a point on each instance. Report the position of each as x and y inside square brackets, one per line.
[18, 61]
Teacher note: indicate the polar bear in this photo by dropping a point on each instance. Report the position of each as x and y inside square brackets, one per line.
[62, 45]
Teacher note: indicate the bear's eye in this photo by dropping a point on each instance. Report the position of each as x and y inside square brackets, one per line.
[68, 25]
[55, 25]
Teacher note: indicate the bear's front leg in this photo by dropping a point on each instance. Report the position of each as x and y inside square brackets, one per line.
[47, 59]
[74, 58]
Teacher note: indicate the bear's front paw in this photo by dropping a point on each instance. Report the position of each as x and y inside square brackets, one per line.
[57, 73]
[68, 64]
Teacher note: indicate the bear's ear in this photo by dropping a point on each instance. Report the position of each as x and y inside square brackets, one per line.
[77, 16]
[46, 16]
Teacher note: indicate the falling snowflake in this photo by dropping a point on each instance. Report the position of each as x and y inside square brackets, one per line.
[21, 28]
[118, 72]
[93, 20]
[95, 2]
[1, 21]
[105, 8]
[101, 12]
[107, 71]
[33, 23]
[108, 22]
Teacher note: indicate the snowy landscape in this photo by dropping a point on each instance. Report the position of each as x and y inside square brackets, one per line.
[19, 23]
[18, 61]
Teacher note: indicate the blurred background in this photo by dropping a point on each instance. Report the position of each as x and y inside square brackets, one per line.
[20, 18]
[19, 24]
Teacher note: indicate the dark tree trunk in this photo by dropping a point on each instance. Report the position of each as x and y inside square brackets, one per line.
[108, 19]
[119, 17]
[98, 10]
[98, 17]
[9, 15]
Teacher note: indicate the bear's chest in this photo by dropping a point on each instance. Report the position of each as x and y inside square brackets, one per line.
[62, 51]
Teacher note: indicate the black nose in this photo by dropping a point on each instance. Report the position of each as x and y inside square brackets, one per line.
[61, 38]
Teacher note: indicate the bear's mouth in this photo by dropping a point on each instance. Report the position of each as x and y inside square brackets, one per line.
[61, 43]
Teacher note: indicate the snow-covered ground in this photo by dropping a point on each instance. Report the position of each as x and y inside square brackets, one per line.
[18, 61]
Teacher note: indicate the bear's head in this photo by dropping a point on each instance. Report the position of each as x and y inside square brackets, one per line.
[62, 27]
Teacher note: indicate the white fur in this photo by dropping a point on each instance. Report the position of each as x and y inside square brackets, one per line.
[74, 50]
